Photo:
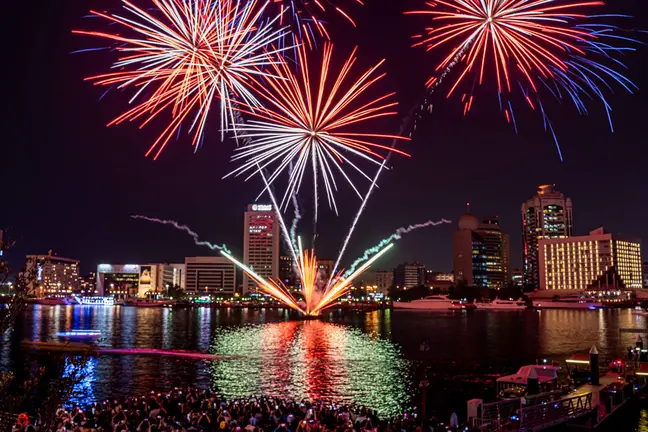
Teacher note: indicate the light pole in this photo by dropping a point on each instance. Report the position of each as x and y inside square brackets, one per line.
[423, 385]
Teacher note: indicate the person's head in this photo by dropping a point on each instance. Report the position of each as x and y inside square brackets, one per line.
[23, 420]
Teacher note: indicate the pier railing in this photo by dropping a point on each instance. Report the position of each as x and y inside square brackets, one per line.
[497, 415]
[548, 414]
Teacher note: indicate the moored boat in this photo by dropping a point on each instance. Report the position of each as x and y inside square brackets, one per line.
[435, 303]
[503, 305]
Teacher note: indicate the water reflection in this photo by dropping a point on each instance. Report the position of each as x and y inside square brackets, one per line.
[314, 360]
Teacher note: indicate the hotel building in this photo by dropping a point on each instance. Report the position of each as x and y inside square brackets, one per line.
[576, 263]
[548, 215]
[55, 276]
[260, 244]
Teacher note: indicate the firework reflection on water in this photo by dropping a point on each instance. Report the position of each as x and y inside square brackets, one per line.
[312, 360]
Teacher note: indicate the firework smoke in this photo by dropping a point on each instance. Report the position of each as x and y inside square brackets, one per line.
[186, 229]
[396, 236]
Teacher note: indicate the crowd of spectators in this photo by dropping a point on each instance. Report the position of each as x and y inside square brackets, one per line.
[195, 410]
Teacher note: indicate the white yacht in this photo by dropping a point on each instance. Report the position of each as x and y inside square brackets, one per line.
[573, 301]
[504, 305]
[434, 302]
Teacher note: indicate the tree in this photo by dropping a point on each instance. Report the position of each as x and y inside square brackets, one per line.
[409, 294]
[45, 383]
[176, 293]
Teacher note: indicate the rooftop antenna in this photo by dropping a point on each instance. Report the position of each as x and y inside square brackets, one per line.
[468, 206]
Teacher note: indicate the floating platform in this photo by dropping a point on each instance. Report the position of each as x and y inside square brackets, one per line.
[80, 334]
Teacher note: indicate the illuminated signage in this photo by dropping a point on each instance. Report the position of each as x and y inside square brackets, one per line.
[261, 207]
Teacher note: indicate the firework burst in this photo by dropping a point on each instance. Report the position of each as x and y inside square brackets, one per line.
[530, 46]
[318, 123]
[182, 55]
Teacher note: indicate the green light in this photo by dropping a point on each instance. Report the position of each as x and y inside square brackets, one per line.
[312, 360]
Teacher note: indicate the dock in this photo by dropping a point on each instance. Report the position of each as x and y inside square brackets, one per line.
[586, 407]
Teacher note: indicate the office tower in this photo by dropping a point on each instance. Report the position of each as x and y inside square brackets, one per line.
[54, 276]
[408, 275]
[480, 253]
[547, 215]
[210, 275]
[576, 263]
[260, 243]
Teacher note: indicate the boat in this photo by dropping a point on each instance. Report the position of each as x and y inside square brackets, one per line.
[573, 301]
[504, 305]
[639, 311]
[435, 302]
[95, 301]
[515, 386]
[79, 334]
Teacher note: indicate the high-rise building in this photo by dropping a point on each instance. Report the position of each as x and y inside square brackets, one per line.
[645, 274]
[287, 273]
[408, 275]
[210, 275]
[168, 276]
[480, 253]
[575, 263]
[55, 276]
[517, 277]
[260, 243]
[548, 215]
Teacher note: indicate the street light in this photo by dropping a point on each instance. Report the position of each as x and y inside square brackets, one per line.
[423, 385]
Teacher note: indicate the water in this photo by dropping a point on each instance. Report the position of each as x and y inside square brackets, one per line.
[373, 359]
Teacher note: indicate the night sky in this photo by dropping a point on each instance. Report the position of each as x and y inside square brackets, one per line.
[70, 183]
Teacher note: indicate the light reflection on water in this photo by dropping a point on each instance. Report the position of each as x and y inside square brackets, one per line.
[363, 357]
[314, 360]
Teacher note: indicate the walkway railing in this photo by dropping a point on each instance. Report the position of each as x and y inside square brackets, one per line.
[545, 415]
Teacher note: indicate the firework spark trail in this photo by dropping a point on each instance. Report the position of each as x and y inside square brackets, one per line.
[416, 113]
[278, 213]
[186, 229]
[396, 236]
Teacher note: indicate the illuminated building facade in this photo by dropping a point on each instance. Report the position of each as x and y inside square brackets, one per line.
[260, 243]
[287, 273]
[408, 275]
[439, 280]
[121, 280]
[210, 275]
[575, 263]
[548, 215]
[380, 280]
[480, 253]
[168, 276]
[55, 276]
